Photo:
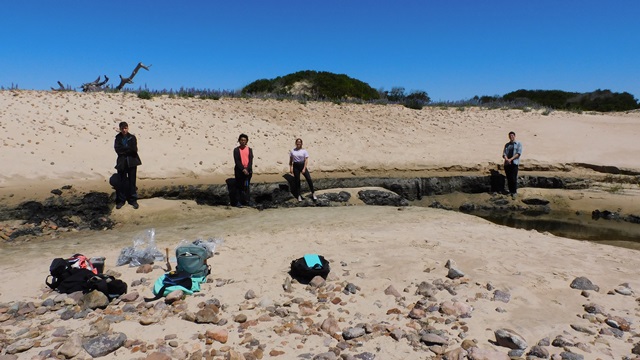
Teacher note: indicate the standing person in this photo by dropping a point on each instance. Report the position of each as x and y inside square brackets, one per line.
[126, 146]
[298, 161]
[511, 155]
[243, 159]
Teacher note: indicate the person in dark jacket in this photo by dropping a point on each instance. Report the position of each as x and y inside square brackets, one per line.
[243, 159]
[126, 146]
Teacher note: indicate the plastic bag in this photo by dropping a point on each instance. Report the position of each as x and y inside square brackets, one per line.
[143, 251]
[209, 244]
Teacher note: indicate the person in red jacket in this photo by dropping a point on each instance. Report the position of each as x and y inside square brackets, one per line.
[243, 159]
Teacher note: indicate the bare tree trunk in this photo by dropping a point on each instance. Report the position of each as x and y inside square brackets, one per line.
[61, 87]
[96, 85]
[129, 80]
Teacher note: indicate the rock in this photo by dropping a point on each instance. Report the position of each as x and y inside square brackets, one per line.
[129, 297]
[240, 318]
[325, 356]
[503, 296]
[582, 329]
[350, 289]
[454, 273]
[317, 282]
[456, 308]
[218, 334]
[582, 283]
[390, 290]
[433, 339]
[560, 341]
[353, 332]
[509, 338]
[158, 356]
[618, 323]
[624, 290]
[565, 355]
[95, 300]
[594, 309]
[426, 289]
[20, 346]
[456, 354]
[71, 347]
[207, 315]
[330, 326]
[476, 353]
[381, 198]
[539, 352]
[104, 344]
[416, 313]
[174, 296]
[250, 294]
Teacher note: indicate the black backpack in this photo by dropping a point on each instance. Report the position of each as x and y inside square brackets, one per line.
[67, 279]
[309, 266]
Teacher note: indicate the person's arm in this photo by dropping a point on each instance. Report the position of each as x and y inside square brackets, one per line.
[306, 161]
[504, 153]
[118, 147]
[133, 145]
[250, 166]
[518, 150]
[236, 158]
[290, 163]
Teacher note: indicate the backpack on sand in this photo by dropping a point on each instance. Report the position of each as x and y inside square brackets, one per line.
[61, 269]
[77, 274]
[191, 271]
[309, 266]
[192, 259]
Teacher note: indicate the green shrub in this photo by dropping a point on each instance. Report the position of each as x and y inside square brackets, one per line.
[413, 104]
[144, 94]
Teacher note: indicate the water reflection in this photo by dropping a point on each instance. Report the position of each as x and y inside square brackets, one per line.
[616, 233]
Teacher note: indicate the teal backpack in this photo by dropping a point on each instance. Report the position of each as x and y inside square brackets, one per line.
[192, 259]
[191, 271]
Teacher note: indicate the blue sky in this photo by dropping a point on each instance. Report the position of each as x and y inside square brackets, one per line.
[452, 49]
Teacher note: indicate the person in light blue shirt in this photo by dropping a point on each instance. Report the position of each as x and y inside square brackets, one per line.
[511, 155]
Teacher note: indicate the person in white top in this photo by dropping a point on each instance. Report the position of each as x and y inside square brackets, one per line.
[298, 161]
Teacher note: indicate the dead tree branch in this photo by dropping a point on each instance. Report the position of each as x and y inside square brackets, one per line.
[129, 80]
[96, 85]
[61, 87]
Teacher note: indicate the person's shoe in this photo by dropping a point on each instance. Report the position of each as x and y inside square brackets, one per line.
[513, 196]
[135, 205]
[314, 197]
[299, 198]
[238, 205]
[119, 205]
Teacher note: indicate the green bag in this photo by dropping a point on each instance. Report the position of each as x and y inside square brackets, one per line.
[192, 259]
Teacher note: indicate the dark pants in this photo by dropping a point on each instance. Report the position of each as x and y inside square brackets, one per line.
[127, 190]
[243, 183]
[297, 170]
[511, 171]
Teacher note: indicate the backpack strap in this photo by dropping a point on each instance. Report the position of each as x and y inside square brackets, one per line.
[158, 295]
[54, 282]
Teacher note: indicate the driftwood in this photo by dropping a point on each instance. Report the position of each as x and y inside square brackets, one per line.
[129, 80]
[96, 85]
[61, 87]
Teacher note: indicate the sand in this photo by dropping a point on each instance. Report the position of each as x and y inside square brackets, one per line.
[50, 139]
